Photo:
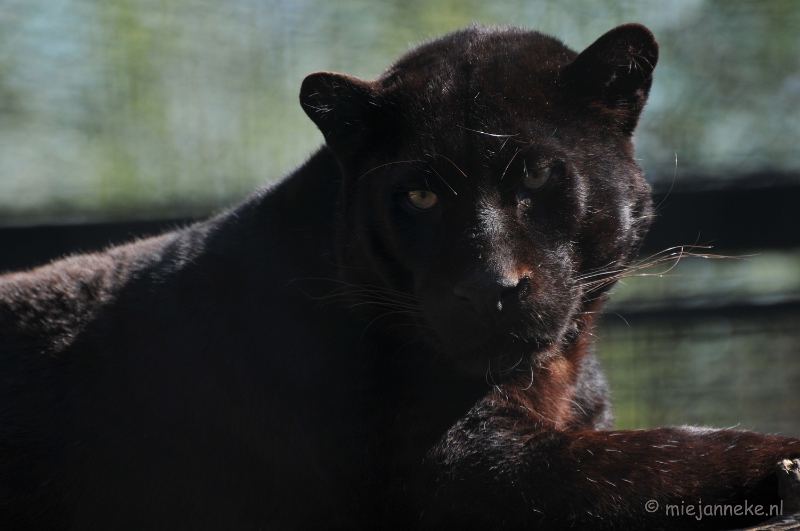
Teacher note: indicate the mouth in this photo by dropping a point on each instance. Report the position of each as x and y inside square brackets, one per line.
[499, 335]
[465, 333]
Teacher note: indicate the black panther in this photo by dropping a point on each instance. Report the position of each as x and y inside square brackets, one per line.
[395, 335]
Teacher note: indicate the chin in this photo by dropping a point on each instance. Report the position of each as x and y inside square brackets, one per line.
[498, 355]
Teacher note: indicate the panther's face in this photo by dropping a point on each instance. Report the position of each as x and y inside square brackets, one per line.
[489, 179]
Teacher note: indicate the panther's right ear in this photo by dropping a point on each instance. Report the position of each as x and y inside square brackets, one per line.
[344, 108]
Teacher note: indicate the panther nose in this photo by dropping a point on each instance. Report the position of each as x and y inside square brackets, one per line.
[491, 297]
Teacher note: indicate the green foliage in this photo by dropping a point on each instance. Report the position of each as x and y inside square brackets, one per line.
[115, 109]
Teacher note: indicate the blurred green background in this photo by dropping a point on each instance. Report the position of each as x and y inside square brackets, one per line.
[121, 110]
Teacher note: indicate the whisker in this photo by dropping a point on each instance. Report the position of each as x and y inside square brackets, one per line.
[365, 293]
[386, 314]
[671, 256]
[672, 184]
[509, 163]
[454, 164]
[379, 167]
[346, 297]
[495, 135]
[407, 343]
[362, 286]
[355, 303]
[445, 182]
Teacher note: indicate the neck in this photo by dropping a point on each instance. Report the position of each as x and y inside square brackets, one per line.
[564, 389]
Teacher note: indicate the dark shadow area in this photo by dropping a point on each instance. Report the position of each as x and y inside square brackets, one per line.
[754, 214]
[26, 247]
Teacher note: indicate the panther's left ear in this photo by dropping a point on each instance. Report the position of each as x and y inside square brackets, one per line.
[616, 71]
[344, 108]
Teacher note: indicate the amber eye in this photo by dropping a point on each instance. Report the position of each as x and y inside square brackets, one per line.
[536, 178]
[422, 199]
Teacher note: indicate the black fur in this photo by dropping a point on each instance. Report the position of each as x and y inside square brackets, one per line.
[328, 355]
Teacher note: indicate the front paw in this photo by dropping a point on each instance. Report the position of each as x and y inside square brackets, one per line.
[789, 483]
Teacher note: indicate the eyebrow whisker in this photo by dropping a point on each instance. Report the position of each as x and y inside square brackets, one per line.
[495, 135]
[445, 182]
[454, 164]
[509, 163]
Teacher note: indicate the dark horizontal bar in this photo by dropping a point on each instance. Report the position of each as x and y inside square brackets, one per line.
[757, 214]
[727, 218]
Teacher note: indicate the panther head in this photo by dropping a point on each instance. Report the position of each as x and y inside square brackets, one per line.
[489, 177]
